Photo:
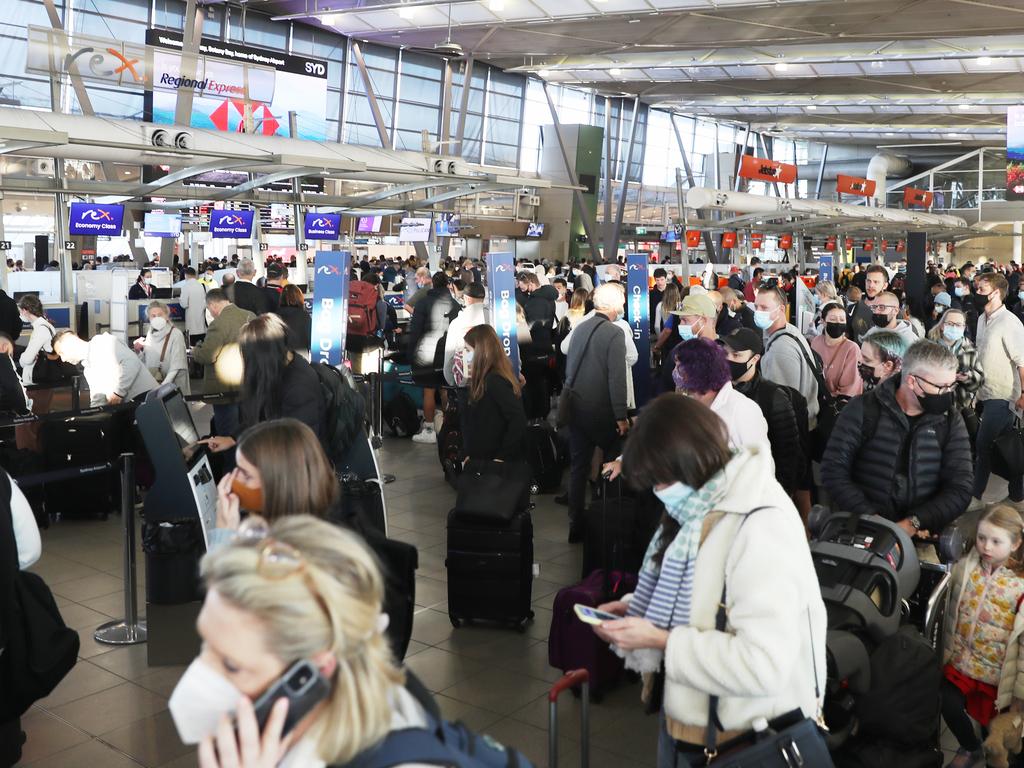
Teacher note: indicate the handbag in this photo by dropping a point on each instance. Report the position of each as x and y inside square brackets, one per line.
[492, 491]
[564, 411]
[1008, 451]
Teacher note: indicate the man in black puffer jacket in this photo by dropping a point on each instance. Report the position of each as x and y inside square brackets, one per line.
[901, 450]
[744, 348]
[538, 303]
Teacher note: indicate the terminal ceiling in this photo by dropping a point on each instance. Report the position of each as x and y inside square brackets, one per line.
[842, 71]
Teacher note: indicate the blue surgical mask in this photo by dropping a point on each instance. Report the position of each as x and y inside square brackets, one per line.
[961, 292]
[686, 332]
[1020, 295]
[952, 332]
[467, 357]
[674, 495]
[763, 319]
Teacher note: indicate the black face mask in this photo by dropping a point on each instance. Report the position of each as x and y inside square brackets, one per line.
[880, 319]
[738, 369]
[867, 373]
[934, 404]
[835, 330]
[980, 302]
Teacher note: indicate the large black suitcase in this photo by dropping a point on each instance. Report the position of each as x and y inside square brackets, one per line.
[490, 570]
[542, 454]
[618, 529]
[84, 441]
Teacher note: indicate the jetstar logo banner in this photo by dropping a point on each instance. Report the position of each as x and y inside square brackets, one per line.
[785, 242]
[323, 226]
[330, 306]
[756, 240]
[692, 238]
[728, 239]
[501, 289]
[919, 197]
[233, 224]
[767, 170]
[853, 185]
[830, 243]
[869, 245]
[95, 219]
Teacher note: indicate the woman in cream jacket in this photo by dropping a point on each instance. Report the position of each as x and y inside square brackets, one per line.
[729, 522]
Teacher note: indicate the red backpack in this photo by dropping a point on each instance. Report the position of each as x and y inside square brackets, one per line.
[362, 308]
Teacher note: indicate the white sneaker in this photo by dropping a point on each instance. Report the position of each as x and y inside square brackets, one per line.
[976, 505]
[425, 435]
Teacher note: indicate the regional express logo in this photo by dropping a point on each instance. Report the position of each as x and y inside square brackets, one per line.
[232, 221]
[97, 214]
[320, 223]
[329, 269]
[100, 64]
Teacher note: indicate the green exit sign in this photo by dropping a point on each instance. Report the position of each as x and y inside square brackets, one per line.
[641, 230]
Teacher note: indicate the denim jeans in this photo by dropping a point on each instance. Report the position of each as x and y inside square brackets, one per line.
[996, 418]
[669, 757]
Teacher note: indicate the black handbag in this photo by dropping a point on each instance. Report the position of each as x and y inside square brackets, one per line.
[492, 491]
[1008, 451]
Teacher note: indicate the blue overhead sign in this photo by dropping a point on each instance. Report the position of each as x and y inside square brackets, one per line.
[825, 268]
[330, 306]
[95, 219]
[639, 309]
[231, 224]
[323, 226]
[501, 284]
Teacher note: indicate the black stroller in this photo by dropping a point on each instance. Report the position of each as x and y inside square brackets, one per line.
[885, 613]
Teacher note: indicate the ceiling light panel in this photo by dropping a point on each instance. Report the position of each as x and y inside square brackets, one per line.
[422, 16]
[518, 10]
[792, 70]
[619, 6]
[1003, 64]
[478, 13]
[571, 8]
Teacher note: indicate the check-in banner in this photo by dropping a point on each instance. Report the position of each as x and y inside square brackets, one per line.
[638, 291]
[501, 286]
[330, 306]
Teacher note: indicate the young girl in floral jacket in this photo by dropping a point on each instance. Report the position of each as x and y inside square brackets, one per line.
[983, 666]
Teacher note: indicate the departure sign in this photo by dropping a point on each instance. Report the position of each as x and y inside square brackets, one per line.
[921, 197]
[854, 185]
[767, 170]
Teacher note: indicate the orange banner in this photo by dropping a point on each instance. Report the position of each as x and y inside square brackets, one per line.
[885, 245]
[869, 245]
[728, 239]
[767, 170]
[901, 246]
[692, 238]
[756, 240]
[854, 185]
[921, 197]
[830, 243]
[785, 242]
[849, 243]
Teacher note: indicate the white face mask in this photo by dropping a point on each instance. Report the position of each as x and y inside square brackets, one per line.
[467, 358]
[209, 317]
[199, 699]
[158, 323]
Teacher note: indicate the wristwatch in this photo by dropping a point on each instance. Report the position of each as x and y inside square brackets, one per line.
[915, 521]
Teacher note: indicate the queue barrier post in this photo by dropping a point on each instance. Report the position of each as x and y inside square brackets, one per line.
[129, 630]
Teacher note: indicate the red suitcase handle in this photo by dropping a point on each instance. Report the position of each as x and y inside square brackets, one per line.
[573, 679]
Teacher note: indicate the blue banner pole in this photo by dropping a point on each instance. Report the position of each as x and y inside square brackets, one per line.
[330, 306]
[825, 271]
[501, 288]
[639, 308]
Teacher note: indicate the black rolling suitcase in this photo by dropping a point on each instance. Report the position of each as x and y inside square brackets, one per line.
[490, 569]
[83, 441]
[619, 528]
[542, 454]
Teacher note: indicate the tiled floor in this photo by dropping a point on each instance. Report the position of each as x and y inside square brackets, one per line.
[111, 710]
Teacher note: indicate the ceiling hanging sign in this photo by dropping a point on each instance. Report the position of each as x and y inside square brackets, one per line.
[1015, 152]
[785, 242]
[885, 245]
[692, 238]
[901, 246]
[869, 245]
[728, 239]
[830, 243]
[854, 185]
[849, 243]
[761, 169]
[756, 240]
[919, 197]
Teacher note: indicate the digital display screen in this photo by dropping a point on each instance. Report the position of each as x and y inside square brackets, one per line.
[414, 230]
[323, 226]
[234, 224]
[534, 229]
[95, 219]
[368, 224]
[181, 419]
[670, 236]
[447, 225]
[162, 224]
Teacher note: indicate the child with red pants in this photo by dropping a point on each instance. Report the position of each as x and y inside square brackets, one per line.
[983, 665]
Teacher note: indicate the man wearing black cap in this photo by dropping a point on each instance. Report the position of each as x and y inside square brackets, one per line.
[275, 284]
[744, 349]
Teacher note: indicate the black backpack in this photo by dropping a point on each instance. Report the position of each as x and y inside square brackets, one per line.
[814, 362]
[345, 411]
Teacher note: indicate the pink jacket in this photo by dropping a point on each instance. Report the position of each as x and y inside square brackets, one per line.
[840, 366]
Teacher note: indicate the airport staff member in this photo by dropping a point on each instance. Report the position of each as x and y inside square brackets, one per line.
[193, 301]
[114, 373]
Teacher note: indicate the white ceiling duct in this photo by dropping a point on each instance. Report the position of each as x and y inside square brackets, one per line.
[881, 166]
[703, 198]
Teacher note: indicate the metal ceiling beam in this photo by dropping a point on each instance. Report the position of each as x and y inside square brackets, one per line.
[186, 173]
[467, 82]
[386, 6]
[624, 189]
[709, 244]
[472, 189]
[371, 97]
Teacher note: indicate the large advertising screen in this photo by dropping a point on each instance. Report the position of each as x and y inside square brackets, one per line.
[414, 230]
[323, 226]
[95, 219]
[283, 84]
[368, 224]
[233, 224]
[1015, 153]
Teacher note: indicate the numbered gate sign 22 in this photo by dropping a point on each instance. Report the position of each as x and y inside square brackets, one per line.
[69, 245]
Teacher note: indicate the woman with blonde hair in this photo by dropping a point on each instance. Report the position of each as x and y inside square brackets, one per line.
[300, 590]
[949, 331]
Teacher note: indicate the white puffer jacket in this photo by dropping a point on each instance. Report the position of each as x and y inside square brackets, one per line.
[761, 666]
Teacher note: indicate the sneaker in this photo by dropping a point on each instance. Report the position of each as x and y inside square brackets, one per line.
[425, 435]
[966, 759]
[562, 499]
[976, 505]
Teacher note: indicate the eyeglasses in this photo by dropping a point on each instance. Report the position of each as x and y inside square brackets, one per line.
[941, 389]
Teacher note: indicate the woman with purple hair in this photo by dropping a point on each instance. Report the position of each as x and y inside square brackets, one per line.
[702, 372]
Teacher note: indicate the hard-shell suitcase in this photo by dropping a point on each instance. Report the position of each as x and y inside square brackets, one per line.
[449, 439]
[542, 454]
[573, 644]
[401, 416]
[490, 570]
[83, 441]
[618, 529]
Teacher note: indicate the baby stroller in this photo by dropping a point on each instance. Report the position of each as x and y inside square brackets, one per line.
[885, 613]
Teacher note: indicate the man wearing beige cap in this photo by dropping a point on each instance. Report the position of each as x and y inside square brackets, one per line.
[695, 319]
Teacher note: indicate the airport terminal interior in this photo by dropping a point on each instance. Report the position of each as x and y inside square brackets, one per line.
[266, 261]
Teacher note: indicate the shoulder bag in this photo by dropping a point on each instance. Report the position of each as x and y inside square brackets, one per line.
[564, 412]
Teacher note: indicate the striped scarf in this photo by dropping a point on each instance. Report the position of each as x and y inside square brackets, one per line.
[664, 592]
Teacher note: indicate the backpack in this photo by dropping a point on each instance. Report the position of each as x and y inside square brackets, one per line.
[440, 743]
[345, 410]
[814, 362]
[362, 308]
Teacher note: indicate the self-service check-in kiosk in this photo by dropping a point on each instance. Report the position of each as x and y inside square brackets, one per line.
[180, 509]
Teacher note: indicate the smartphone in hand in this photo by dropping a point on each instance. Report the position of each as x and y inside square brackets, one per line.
[589, 615]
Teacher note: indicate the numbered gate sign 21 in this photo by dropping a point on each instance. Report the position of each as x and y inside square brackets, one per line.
[5, 245]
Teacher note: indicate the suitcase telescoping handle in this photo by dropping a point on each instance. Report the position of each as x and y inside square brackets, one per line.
[577, 677]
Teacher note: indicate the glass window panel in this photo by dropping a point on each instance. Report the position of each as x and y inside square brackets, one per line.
[504, 106]
[109, 27]
[361, 134]
[501, 154]
[418, 89]
[259, 30]
[503, 131]
[471, 151]
[21, 13]
[170, 14]
[415, 117]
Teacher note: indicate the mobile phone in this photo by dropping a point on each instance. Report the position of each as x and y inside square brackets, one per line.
[303, 686]
[589, 615]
